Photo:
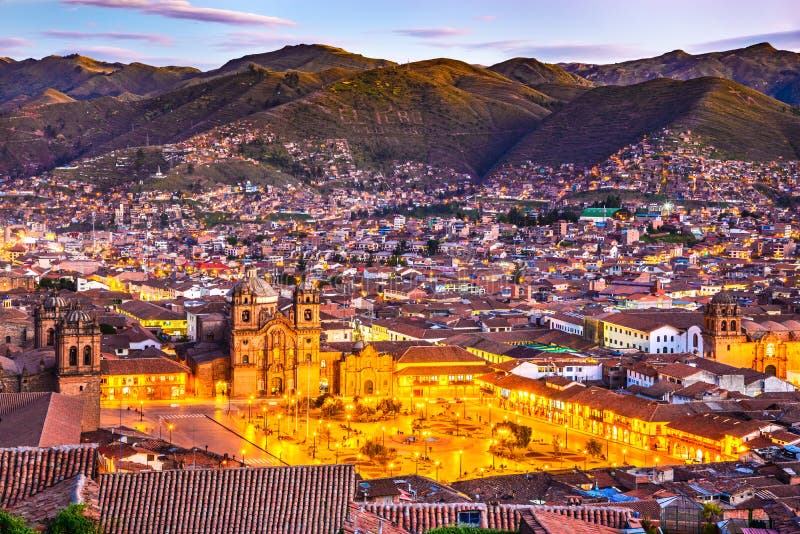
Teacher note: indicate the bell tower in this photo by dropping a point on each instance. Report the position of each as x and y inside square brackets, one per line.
[722, 327]
[309, 330]
[45, 318]
[77, 352]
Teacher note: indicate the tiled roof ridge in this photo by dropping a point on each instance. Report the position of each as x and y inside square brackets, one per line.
[14, 401]
[26, 471]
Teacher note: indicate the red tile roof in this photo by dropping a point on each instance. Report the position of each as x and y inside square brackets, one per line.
[26, 471]
[272, 500]
[39, 419]
[420, 517]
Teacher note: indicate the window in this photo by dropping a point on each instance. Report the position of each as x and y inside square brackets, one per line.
[8, 339]
[73, 355]
[307, 315]
[694, 341]
[724, 326]
[245, 359]
[246, 316]
[470, 518]
[733, 326]
[87, 355]
[322, 364]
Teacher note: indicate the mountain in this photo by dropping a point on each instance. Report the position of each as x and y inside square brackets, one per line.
[45, 98]
[775, 73]
[135, 78]
[306, 58]
[82, 78]
[739, 122]
[42, 138]
[442, 111]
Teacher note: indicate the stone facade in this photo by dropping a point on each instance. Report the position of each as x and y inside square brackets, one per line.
[767, 345]
[272, 353]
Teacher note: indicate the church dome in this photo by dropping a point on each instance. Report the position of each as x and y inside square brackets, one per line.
[254, 285]
[78, 316]
[54, 301]
[723, 297]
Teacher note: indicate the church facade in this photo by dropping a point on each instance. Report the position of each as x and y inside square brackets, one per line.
[766, 344]
[275, 353]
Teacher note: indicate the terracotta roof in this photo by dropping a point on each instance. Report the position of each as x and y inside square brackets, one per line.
[421, 517]
[39, 420]
[359, 521]
[26, 471]
[269, 500]
[39, 509]
[141, 366]
[443, 370]
[436, 354]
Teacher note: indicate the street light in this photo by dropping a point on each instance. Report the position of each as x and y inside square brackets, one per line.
[383, 436]
[585, 456]
[416, 463]
[280, 417]
[243, 462]
[391, 467]
[437, 470]
[566, 436]
[250, 409]
[265, 419]
[491, 449]
[460, 456]
[607, 454]
[456, 424]
[170, 426]
[328, 425]
[314, 449]
[624, 452]
[141, 410]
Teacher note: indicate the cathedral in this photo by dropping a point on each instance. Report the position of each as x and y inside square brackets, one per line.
[65, 358]
[768, 344]
[273, 353]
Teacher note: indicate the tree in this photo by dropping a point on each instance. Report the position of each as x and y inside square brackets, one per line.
[516, 435]
[433, 247]
[711, 511]
[556, 445]
[71, 520]
[594, 447]
[10, 524]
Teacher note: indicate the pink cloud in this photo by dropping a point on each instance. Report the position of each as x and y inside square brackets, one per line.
[432, 33]
[12, 44]
[107, 53]
[182, 9]
[146, 37]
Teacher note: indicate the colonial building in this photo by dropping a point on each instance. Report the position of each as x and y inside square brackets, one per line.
[65, 358]
[271, 352]
[769, 344]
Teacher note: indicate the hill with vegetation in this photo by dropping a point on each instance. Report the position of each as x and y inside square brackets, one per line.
[549, 79]
[775, 73]
[738, 122]
[441, 111]
[305, 58]
[82, 77]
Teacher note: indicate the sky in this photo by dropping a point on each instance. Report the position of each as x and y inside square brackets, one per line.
[207, 33]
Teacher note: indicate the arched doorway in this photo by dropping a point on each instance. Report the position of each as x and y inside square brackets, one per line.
[276, 386]
[770, 370]
[369, 387]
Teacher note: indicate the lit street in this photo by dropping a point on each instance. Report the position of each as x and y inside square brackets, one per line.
[453, 440]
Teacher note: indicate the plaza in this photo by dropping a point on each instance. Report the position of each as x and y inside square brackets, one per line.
[444, 439]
